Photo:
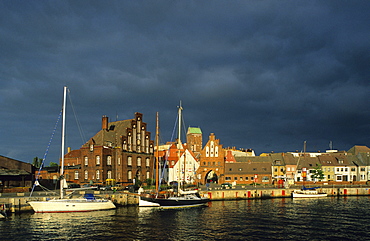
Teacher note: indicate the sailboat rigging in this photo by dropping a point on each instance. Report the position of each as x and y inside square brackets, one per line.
[178, 198]
[83, 204]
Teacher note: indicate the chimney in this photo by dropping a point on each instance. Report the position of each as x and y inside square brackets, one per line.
[104, 122]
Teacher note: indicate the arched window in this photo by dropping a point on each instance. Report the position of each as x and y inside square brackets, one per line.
[97, 174]
[109, 160]
[129, 161]
[86, 161]
[147, 161]
[76, 175]
[139, 161]
[97, 160]
[86, 175]
[109, 175]
[129, 175]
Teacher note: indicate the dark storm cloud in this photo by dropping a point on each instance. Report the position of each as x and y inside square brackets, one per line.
[265, 75]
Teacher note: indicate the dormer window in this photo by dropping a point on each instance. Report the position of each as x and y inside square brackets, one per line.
[91, 147]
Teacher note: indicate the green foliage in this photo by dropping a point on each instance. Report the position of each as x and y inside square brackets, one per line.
[37, 162]
[149, 181]
[318, 173]
[53, 164]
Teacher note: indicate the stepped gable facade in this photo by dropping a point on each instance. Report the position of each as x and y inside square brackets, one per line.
[122, 151]
[212, 162]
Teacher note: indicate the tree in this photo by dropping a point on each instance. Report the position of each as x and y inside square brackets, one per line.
[53, 164]
[37, 162]
[149, 181]
[317, 173]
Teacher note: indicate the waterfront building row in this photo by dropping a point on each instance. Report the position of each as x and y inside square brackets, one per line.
[123, 152]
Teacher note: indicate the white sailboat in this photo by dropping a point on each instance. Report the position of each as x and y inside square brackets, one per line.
[181, 199]
[84, 204]
[308, 193]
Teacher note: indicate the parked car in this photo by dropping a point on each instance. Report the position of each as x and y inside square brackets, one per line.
[105, 188]
[131, 188]
[226, 185]
[73, 185]
[89, 186]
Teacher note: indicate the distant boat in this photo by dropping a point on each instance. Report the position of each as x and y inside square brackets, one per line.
[179, 198]
[84, 204]
[2, 211]
[308, 193]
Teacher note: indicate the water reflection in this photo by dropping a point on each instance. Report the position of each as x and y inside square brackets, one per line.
[284, 219]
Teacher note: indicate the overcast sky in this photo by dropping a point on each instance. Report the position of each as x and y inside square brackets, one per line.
[266, 75]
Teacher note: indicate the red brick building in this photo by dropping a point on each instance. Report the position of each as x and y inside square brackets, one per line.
[212, 162]
[122, 151]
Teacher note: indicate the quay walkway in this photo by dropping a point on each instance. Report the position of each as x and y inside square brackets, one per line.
[17, 202]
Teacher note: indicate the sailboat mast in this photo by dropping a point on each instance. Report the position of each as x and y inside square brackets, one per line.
[63, 141]
[179, 145]
[157, 155]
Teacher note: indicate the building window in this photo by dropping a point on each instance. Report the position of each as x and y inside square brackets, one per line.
[246, 178]
[109, 175]
[227, 178]
[362, 169]
[86, 160]
[241, 179]
[119, 160]
[240, 169]
[97, 174]
[139, 161]
[91, 147]
[288, 169]
[129, 161]
[76, 175]
[109, 160]
[353, 169]
[147, 161]
[86, 175]
[265, 179]
[129, 175]
[235, 178]
[147, 175]
[97, 160]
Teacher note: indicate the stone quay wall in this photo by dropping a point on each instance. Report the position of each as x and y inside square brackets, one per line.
[258, 193]
[18, 202]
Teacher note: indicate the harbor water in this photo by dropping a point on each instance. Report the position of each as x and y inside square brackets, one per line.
[331, 218]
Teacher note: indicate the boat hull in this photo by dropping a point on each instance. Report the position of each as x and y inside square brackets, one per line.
[145, 203]
[177, 202]
[308, 195]
[68, 205]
